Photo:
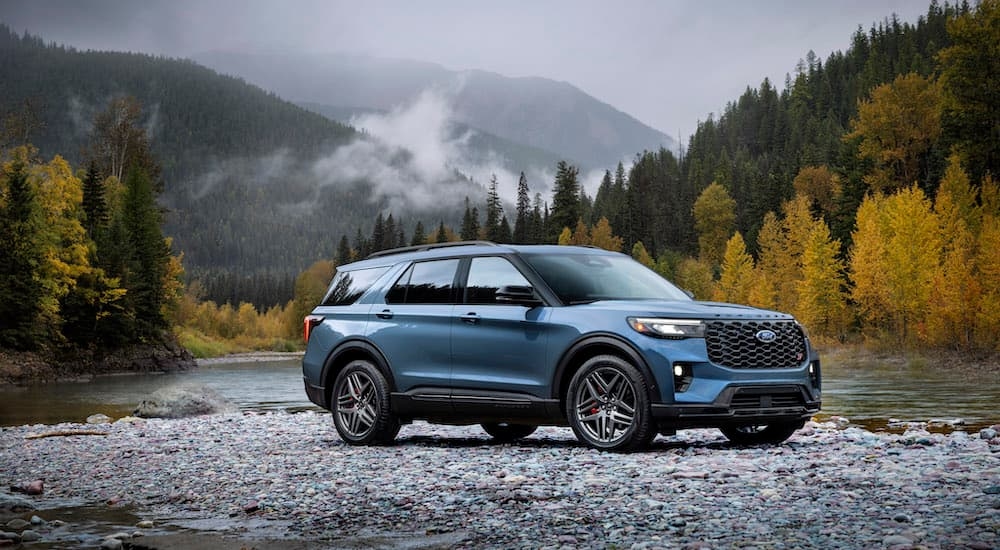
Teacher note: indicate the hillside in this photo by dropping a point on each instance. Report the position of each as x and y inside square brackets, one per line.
[539, 112]
[255, 187]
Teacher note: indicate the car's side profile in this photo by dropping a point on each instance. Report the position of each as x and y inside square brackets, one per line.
[516, 336]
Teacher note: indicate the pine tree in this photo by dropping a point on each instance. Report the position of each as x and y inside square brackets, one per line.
[565, 199]
[21, 250]
[418, 235]
[343, 251]
[378, 239]
[95, 205]
[494, 211]
[470, 222]
[522, 224]
[149, 255]
[442, 234]
[504, 232]
[822, 304]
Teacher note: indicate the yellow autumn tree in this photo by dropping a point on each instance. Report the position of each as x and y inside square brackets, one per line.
[695, 276]
[601, 236]
[310, 287]
[641, 255]
[896, 275]
[565, 237]
[714, 220]
[737, 278]
[781, 244]
[987, 331]
[822, 303]
[770, 260]
[897, 127]
[867, 264]
[819, 185]
[581, 235]
[955, 292]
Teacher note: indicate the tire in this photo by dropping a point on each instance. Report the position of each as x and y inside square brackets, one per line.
[505, 433]
[607, 405]
[760, 434]
[361, 405]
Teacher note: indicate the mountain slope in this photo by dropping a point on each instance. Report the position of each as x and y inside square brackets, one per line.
[253, 184]
[539, 112]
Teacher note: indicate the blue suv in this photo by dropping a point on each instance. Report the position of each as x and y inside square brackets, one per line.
[513, 337]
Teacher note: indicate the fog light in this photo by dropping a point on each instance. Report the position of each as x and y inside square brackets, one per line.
[679, 370]
[683, 376]
[812, 368]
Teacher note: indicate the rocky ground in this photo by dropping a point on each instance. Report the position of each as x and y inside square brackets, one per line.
[281, 480]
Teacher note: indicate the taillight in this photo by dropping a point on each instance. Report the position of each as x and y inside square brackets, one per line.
[308, 324]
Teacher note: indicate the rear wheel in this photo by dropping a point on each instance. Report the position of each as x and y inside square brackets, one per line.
[760, 434]
[361, 405]
[608, 405]
[504, 432]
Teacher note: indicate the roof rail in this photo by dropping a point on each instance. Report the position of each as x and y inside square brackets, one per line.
[431, 246]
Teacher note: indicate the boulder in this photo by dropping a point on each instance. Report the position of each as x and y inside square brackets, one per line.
[14, 503]
[183, 400]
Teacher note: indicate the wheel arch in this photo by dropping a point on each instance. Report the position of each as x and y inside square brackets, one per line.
[592, 345]
[348, 351]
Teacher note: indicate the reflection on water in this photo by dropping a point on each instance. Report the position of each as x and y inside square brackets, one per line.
[868, 394]
[250, 385]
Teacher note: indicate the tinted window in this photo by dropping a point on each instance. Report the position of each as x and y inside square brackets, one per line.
[348, 286]
[487, 275]
[425, 283]
[580, 278]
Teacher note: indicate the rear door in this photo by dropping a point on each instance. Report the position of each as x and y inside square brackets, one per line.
[413, 327]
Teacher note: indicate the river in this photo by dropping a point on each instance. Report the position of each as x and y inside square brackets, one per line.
[869, 395]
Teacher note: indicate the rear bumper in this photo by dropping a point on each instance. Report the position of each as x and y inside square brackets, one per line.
[316, 394]
[740, 405]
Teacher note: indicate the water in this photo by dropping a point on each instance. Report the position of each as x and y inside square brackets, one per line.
[868, 394]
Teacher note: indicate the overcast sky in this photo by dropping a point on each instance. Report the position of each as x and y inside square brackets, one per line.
[668, 63]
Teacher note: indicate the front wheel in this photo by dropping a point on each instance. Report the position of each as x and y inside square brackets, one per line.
[608, 405]
[361, 405]
[760, 434]
[505, 433]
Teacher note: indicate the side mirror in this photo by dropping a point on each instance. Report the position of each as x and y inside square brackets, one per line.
[517, 295]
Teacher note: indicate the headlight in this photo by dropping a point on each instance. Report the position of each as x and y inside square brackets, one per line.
[668, 328]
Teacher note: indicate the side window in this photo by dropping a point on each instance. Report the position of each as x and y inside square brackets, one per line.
[425, 283]
[348, 286]
[487, 275]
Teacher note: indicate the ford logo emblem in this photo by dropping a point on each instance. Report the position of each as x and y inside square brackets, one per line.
[766, 336]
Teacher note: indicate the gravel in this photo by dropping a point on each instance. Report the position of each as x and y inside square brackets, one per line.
[289, 476]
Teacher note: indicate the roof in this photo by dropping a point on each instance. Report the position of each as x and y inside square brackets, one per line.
[463, 248]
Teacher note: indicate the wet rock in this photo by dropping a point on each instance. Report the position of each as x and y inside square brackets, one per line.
[987, 433]
[182, 401]
[112, 544]
[30, 536]
[17, 524]
[35, 520]
[36, 487]
[251, 507]
[144, 524]
[992, 490]
[896, 540]
[98, 419]
[14, 503]
[7, 538]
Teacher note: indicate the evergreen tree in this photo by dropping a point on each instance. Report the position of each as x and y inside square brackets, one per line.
[565, 199]
[21, 250]
[95, 205]
[504, 233]
[149, 255]
[378, 238]
[442, 234]
[344, 252]
[418, 234]
[523, 221]
[470, 222]
[494, 211]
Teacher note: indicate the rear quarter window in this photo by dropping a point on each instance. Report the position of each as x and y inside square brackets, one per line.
[348, 286]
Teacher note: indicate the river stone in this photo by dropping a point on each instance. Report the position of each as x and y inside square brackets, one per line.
[13, 503]
[183, 400]
[987, 433]
[17, 524]
[98, 419]
[30, 536]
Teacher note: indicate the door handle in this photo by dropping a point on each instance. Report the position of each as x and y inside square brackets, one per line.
[384, 314]
[470, 318]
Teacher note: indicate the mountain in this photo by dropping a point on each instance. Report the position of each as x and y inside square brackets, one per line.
[539, 112]
[254, 186]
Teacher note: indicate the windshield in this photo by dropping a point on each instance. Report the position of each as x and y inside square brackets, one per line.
[583, 278]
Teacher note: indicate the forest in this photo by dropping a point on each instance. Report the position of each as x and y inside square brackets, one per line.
[860, 197]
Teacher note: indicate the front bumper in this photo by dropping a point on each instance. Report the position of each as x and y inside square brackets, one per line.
[738, 405]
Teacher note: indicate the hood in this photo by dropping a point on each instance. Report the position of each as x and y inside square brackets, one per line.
[684, 309]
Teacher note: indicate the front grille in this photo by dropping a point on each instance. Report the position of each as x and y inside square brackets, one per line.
[766, 401]
[735, 344]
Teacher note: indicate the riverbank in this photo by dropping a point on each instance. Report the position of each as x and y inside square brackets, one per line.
[244, 479]
[19, 368]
